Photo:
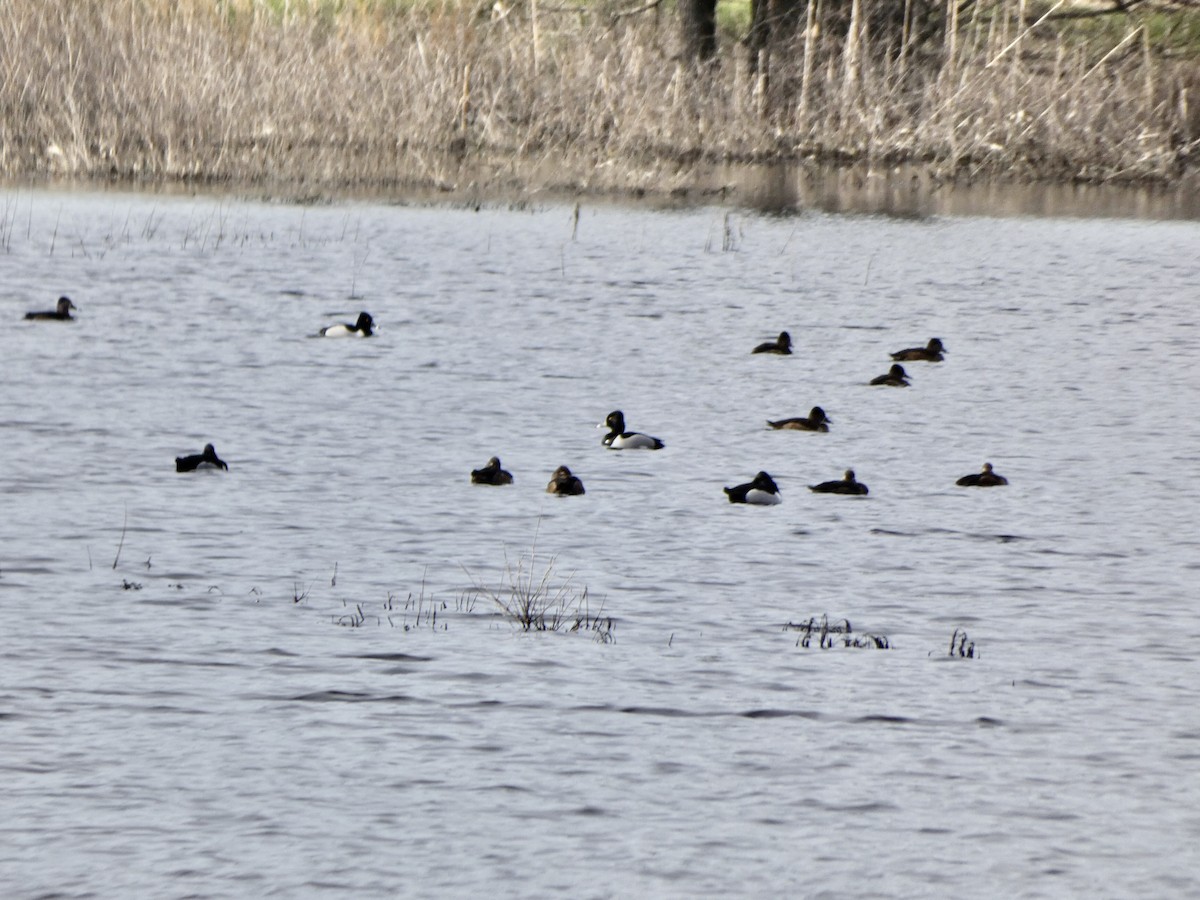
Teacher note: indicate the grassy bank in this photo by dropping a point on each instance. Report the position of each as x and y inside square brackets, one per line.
[328, 94]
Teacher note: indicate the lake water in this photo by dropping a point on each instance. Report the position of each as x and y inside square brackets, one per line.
[215, 685]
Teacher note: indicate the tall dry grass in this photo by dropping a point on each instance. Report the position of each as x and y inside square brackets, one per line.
[372, 93]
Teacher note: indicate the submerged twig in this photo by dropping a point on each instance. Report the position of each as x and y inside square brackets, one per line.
[961, 645]
[825, 631]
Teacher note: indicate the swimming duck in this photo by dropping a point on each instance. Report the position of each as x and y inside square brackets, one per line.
[895, 377]
[986, 478]
[491, 473]
[931, 352]
[620, 439]
[847, 485]
[816, 421]
[361, 328]
[762, 491]
[61, 313]
[781, 344]
[563, 482]
[206, 460]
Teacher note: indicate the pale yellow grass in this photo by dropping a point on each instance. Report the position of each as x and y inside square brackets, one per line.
[323, 95]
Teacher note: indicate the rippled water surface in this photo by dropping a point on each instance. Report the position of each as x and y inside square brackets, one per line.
[230, 684]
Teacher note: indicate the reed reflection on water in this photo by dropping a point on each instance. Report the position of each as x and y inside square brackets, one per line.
[187, 707]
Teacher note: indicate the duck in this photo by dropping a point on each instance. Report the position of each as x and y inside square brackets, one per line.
[361, 328]
[620, 439]
[762, 491]
[847, 484]
[563, 482]
[931, 352]
[984, 478]
[895, 377]
[781, 345]
[206, 460]
[61, 312]
[491, 473]
[816, 421]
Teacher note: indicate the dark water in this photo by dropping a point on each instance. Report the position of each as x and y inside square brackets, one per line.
[248, 704]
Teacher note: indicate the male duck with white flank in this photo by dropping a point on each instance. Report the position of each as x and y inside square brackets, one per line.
[563, 482]
[206, 460]
[816, 421]
[931, 352]
[895, 377]
[620, 439]
[986, 478]
[491, 473]
[361, 328]
[847, 484]
[762, 491]
[781, 345]
[61, 312]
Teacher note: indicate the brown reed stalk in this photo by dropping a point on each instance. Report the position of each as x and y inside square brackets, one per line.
[385, 95]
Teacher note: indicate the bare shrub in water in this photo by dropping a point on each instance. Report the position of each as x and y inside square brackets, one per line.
[386, 93]
[537, 599]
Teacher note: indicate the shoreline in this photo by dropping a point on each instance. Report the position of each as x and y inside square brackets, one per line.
[465, 105]
[772, 188]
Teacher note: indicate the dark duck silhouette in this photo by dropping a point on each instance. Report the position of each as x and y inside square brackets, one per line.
[984, 478]
[206, 460]
[895, 377]
[620, 439]
[816, 421]
[931, 352]
[762, 491]
[491, 473]
[781, 345]
[847, 484]
[61, 312]
[563, 482]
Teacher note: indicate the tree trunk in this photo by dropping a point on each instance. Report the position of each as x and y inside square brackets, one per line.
[698, 20]
[760, 30]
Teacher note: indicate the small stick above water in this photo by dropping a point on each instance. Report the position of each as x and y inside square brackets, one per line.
[122, 542]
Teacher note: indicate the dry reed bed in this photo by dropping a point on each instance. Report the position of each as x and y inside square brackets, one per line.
[375, 97]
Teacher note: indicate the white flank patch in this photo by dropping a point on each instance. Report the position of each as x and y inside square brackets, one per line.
[762, 498]
[633, 442]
